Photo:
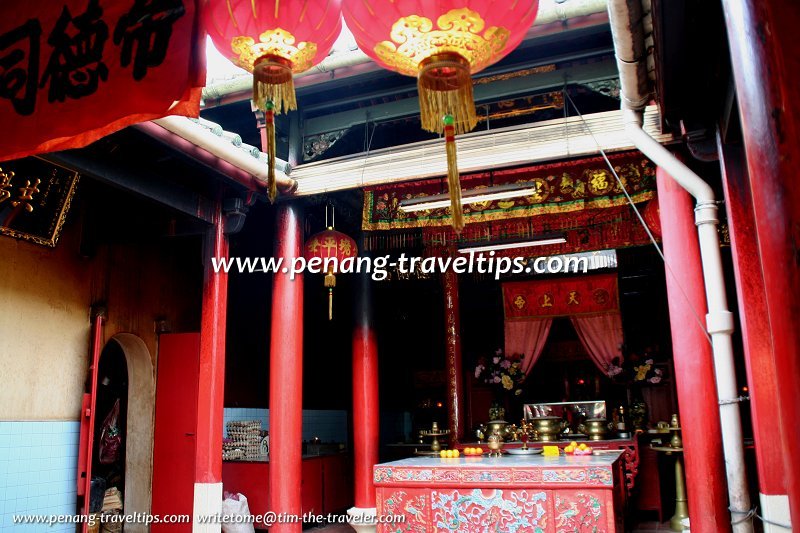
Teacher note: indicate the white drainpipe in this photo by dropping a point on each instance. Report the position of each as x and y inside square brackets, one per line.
[626, 27]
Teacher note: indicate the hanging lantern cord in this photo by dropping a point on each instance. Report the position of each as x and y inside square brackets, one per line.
[453, 181]
[269, 124]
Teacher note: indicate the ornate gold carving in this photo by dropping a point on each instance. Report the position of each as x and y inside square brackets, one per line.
[517, 74]
[277, 42]
[413, 40]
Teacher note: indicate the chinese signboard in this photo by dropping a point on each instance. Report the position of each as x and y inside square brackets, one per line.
[72, 71]
[584, 295]
[34, 199]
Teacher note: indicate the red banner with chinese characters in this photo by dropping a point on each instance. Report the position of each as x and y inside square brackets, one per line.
[580, 295]
[564, 188]
[72, 71]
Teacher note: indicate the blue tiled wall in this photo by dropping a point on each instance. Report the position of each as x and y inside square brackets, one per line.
[328, 425]
[38, 472]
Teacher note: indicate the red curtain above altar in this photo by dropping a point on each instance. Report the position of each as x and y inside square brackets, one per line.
[591, 302]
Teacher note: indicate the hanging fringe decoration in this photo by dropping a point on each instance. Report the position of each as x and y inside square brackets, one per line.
[445, 88]
[269, 124]
[273, 93]
[272, 81]
[330, 283]
[453, 181]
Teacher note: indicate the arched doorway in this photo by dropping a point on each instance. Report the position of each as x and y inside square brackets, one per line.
[125, 372]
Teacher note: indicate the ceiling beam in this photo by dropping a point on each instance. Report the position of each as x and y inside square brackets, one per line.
[497, 90]
[141, 183]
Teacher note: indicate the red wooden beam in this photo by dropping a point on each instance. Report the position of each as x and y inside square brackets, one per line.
[694, 363]
[765, 57]
[365, 399]
[455, 375]
[211, 375]
[286, 374]
[762, 375]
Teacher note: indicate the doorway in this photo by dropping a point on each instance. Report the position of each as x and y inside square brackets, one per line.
[125, 375]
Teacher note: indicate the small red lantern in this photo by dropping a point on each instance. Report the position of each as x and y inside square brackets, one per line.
[652, 217]
[334, 246]
[273, 40]
[442, 43]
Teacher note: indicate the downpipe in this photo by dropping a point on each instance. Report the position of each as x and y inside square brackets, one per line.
[719, 320]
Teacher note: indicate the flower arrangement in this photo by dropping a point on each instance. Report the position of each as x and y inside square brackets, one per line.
[501, 371]
[633, 370]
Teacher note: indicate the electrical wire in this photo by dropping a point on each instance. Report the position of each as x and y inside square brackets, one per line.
[697, 318]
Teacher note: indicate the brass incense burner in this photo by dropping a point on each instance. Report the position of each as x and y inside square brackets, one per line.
[548, 428]
[595, 428]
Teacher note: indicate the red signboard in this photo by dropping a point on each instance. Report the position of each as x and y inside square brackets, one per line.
[584, 295]
[72, 71]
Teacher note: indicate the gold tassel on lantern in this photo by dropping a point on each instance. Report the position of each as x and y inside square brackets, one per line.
[330, 283]
[269, 124]
[445, 88]
[453, 180]
[273, 92]
[272, 81]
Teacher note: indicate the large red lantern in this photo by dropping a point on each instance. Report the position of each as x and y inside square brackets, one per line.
[336, 247]
[273, 39]
[442, 43]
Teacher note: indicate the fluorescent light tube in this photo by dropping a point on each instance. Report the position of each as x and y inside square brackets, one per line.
[439, 201]
[512, 245]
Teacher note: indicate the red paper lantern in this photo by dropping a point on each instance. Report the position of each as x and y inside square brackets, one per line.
[652, 217]
[273, 39]
[442, 43]
[330, 244]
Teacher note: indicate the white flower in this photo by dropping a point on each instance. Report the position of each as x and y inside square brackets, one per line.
[648, 362]
[497, 379]
[496, 360]
[655, 379]
[478, 370]
[505, 363]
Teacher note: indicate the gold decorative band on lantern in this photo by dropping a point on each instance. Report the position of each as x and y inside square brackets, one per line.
[272, 82]
[445, 88]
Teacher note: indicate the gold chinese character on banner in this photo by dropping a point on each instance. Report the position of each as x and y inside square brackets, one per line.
[546, 300]
[5, 184]
[573, 298]
[26, 195]
[519, 301]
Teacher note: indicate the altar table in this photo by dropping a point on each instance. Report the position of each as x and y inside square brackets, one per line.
[512, 494]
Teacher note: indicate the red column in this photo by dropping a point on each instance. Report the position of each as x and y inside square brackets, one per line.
[694, 364]
[455, 375]
[211, 378]
[286, 374]
[365, 399]
[762, 375]
[765, 54]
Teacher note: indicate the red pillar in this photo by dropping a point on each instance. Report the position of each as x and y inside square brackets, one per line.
[455, 375]
[286, 374]
[694, 364]
[765, 56]
[762, 374]
[211, 376]
[365, 399]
